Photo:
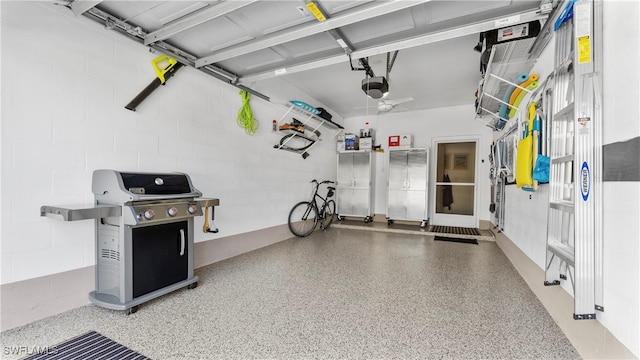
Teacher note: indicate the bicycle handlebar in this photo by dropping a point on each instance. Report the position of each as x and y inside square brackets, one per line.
[323, 182]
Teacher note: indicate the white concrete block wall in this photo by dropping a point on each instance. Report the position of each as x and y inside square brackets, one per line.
[65, 81]
[621, 211]
[525, 220]
[425, 126]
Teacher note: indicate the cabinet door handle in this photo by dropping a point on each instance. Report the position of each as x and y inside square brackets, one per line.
[181, 242]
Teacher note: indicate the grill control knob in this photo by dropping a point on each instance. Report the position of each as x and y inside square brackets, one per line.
[149, 214]
[192, 209]
[172, 211]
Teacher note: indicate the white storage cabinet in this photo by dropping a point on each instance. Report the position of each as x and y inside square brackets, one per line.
[354, 189]
[408, 180]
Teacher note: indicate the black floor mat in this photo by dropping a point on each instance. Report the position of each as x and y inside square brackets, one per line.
[454, 230]
[90, 345]
[456, 239]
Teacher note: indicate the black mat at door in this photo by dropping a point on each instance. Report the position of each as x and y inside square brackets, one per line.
[91, 345]
[455, 230]
[456, 239]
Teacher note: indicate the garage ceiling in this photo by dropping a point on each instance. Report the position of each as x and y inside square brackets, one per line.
[258, 44]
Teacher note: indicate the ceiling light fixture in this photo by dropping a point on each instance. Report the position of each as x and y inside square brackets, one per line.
[375, 87]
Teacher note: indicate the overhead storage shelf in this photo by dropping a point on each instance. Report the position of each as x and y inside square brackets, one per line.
[302, 137]
[506, 63]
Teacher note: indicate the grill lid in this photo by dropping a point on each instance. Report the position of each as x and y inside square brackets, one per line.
[156, 184]
[111, 186]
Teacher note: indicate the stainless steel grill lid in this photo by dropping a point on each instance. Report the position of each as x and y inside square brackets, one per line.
[111, 186]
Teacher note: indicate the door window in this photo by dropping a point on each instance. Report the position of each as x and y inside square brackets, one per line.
[455, 178]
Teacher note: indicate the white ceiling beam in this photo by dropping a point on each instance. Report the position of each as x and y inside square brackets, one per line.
[299, 32]
[400, 45]
[195, 19]
[80, 6]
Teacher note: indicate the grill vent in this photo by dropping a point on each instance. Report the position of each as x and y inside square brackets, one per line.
[110, 254]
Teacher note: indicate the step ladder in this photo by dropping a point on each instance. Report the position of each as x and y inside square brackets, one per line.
[574, 226]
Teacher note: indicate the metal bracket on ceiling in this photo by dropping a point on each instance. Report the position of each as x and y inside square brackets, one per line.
[135, 33]
[390, 61]
[364, 62]
[421, 40]
[80, 6]
[340, 39]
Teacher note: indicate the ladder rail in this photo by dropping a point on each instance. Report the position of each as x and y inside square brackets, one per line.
[598, 159]
[574, 227]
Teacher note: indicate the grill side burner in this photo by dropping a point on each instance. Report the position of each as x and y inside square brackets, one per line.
[144, 235]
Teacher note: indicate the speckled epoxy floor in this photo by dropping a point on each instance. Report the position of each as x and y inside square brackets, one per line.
[337, 294]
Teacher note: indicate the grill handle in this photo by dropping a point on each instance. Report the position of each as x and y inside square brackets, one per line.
[182, 242]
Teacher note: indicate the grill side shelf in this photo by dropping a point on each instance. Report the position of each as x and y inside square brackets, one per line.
[208, 202]
[74, 214]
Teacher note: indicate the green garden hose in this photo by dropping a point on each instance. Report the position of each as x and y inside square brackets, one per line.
[245, 115]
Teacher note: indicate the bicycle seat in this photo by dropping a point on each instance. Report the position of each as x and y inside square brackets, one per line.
[331, 188]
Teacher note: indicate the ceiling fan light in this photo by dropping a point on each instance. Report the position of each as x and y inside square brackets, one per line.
[384, 107]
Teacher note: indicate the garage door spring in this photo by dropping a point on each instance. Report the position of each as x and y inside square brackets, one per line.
[245, 115]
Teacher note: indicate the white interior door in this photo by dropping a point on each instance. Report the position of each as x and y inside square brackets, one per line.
[455, 199]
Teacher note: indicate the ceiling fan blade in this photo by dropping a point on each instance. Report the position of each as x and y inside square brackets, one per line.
[399, 101]
[364, 107]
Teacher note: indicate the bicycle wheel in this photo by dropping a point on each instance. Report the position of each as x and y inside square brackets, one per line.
[329, 211]
[303, 219]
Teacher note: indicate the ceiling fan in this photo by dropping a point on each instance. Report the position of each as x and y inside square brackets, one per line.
[377, 87]
[386, 105]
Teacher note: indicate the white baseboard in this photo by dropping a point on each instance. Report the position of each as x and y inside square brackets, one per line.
[590, 338]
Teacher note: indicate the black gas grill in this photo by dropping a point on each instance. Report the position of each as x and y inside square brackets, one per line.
[144, 235]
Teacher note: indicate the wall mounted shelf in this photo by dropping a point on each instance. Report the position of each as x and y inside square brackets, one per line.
[301, 138]
[506, 63]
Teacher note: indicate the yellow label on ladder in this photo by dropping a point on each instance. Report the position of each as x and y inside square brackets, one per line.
[584, 49]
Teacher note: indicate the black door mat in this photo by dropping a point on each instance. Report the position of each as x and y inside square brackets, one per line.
[455, 239]
[91, 345]
[454, 230]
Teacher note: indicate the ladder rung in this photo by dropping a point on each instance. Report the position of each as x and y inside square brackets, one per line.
[561, 205]
[562, 159]
[567, 110]
[565, 252]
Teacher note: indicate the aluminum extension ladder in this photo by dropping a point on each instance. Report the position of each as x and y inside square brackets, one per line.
[574, 226]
